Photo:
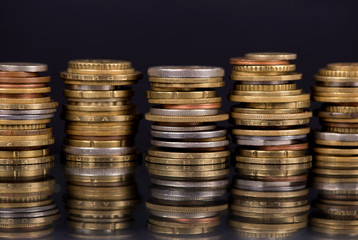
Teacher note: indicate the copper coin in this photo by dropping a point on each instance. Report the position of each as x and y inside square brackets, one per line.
[299, 146]
[17, 74]
[22, 85]
[27, 95]
[25, 132]
[96, 138]
[193, 106]
[45, 79]
[245, 61]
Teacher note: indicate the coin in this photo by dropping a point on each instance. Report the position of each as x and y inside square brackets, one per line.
[23, 67]
[271, 56]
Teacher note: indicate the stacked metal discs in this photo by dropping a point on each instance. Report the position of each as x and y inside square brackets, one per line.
[336, 151]
[99, 152]
[188, 160]
[269, 195]
[26, 207]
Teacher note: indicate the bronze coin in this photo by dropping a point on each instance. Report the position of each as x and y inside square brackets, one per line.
[27, 95]
[299, 146]
[193, 106]
[27, 80]
[196, 220]
[17, 74]
[245, 61]
[25, 132]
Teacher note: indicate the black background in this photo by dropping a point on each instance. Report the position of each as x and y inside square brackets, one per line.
[173, 32]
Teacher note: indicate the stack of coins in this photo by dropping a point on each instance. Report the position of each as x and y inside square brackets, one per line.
[26, 207]
[99, 152]
[188, 161]
[336, 150]
[269, 195]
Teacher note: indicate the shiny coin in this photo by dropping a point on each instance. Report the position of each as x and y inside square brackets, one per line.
[185, 71]
[23, 67]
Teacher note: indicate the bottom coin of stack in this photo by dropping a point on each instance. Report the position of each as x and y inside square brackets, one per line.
[336, 152]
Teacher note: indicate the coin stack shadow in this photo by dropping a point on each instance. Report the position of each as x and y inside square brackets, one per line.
[336, 152]
[100, 157]
[26, 206]
[188, 160]
[269, 196]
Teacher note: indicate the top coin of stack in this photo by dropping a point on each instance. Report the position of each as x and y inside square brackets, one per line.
[188, 163]
[269, 197]
[100, 156]
[336, 151]
[26, 206]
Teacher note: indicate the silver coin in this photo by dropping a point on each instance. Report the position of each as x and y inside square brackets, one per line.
[183, 129]
[262, 82]
[197, 184]
[164, 214]
[270, 189]
[30, 215]
[247, 142]
[26, 117]
[98, 172]
[342, 137]
[180, 112]
[335, 186]
[28, 112]
[23, 67]
[337, 84]
[324, 114]
[270, 138]
[189, 144]
[99, 151]
[172, 195]
[188, 135]
[186, 72]
[90, 87]
[27, 209]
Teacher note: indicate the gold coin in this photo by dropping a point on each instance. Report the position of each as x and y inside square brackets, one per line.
[267, 87]
[196, 168]
[98, 127]
[34, 234]
[28, 223]
[335, 151]
[188, 119]
[271, 56]
[186, 209]
[334, 179]
[266, 93]
[101, 71]
[301, 209]
[269, 203]
[89, 108]
[109, 158]
[99, 64]
[179, 231]
[334, 99]
[29, 106]
[28, 187]
[188, 155]
[101, 205]
[341, 109]
[27, 143]
[269, 105]
[184, 100]
[272, 154]
[25, 100]
[5, 123]
[337, 73]
[300, 166]
[342, 130]
[266, 123]
[185, 161]
[266, 99]
[25, 153]
[335, 79]
[257, 234]
[23, 126]
[98, 144]
[25, 90]
[258, 174]
[101, 83]
[26, 137]
[335, 143]
[99, 118]
[332, 90]
[98, 94]
[26, 160]
[99, 133]
[187, 85]
[335, 172]
[102, 193]
[99, 226]
[268, 227]
[266, 110]
[180, 95]
[95, 214]
[348, 66]
[184, 80]
[174, 224]
[291, 76]
[265, 68]
[286, 132]
[40, 203]
[90, 165]
[281, 161]
[207, 175]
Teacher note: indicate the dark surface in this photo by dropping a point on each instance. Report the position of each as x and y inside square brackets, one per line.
[162, 32]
